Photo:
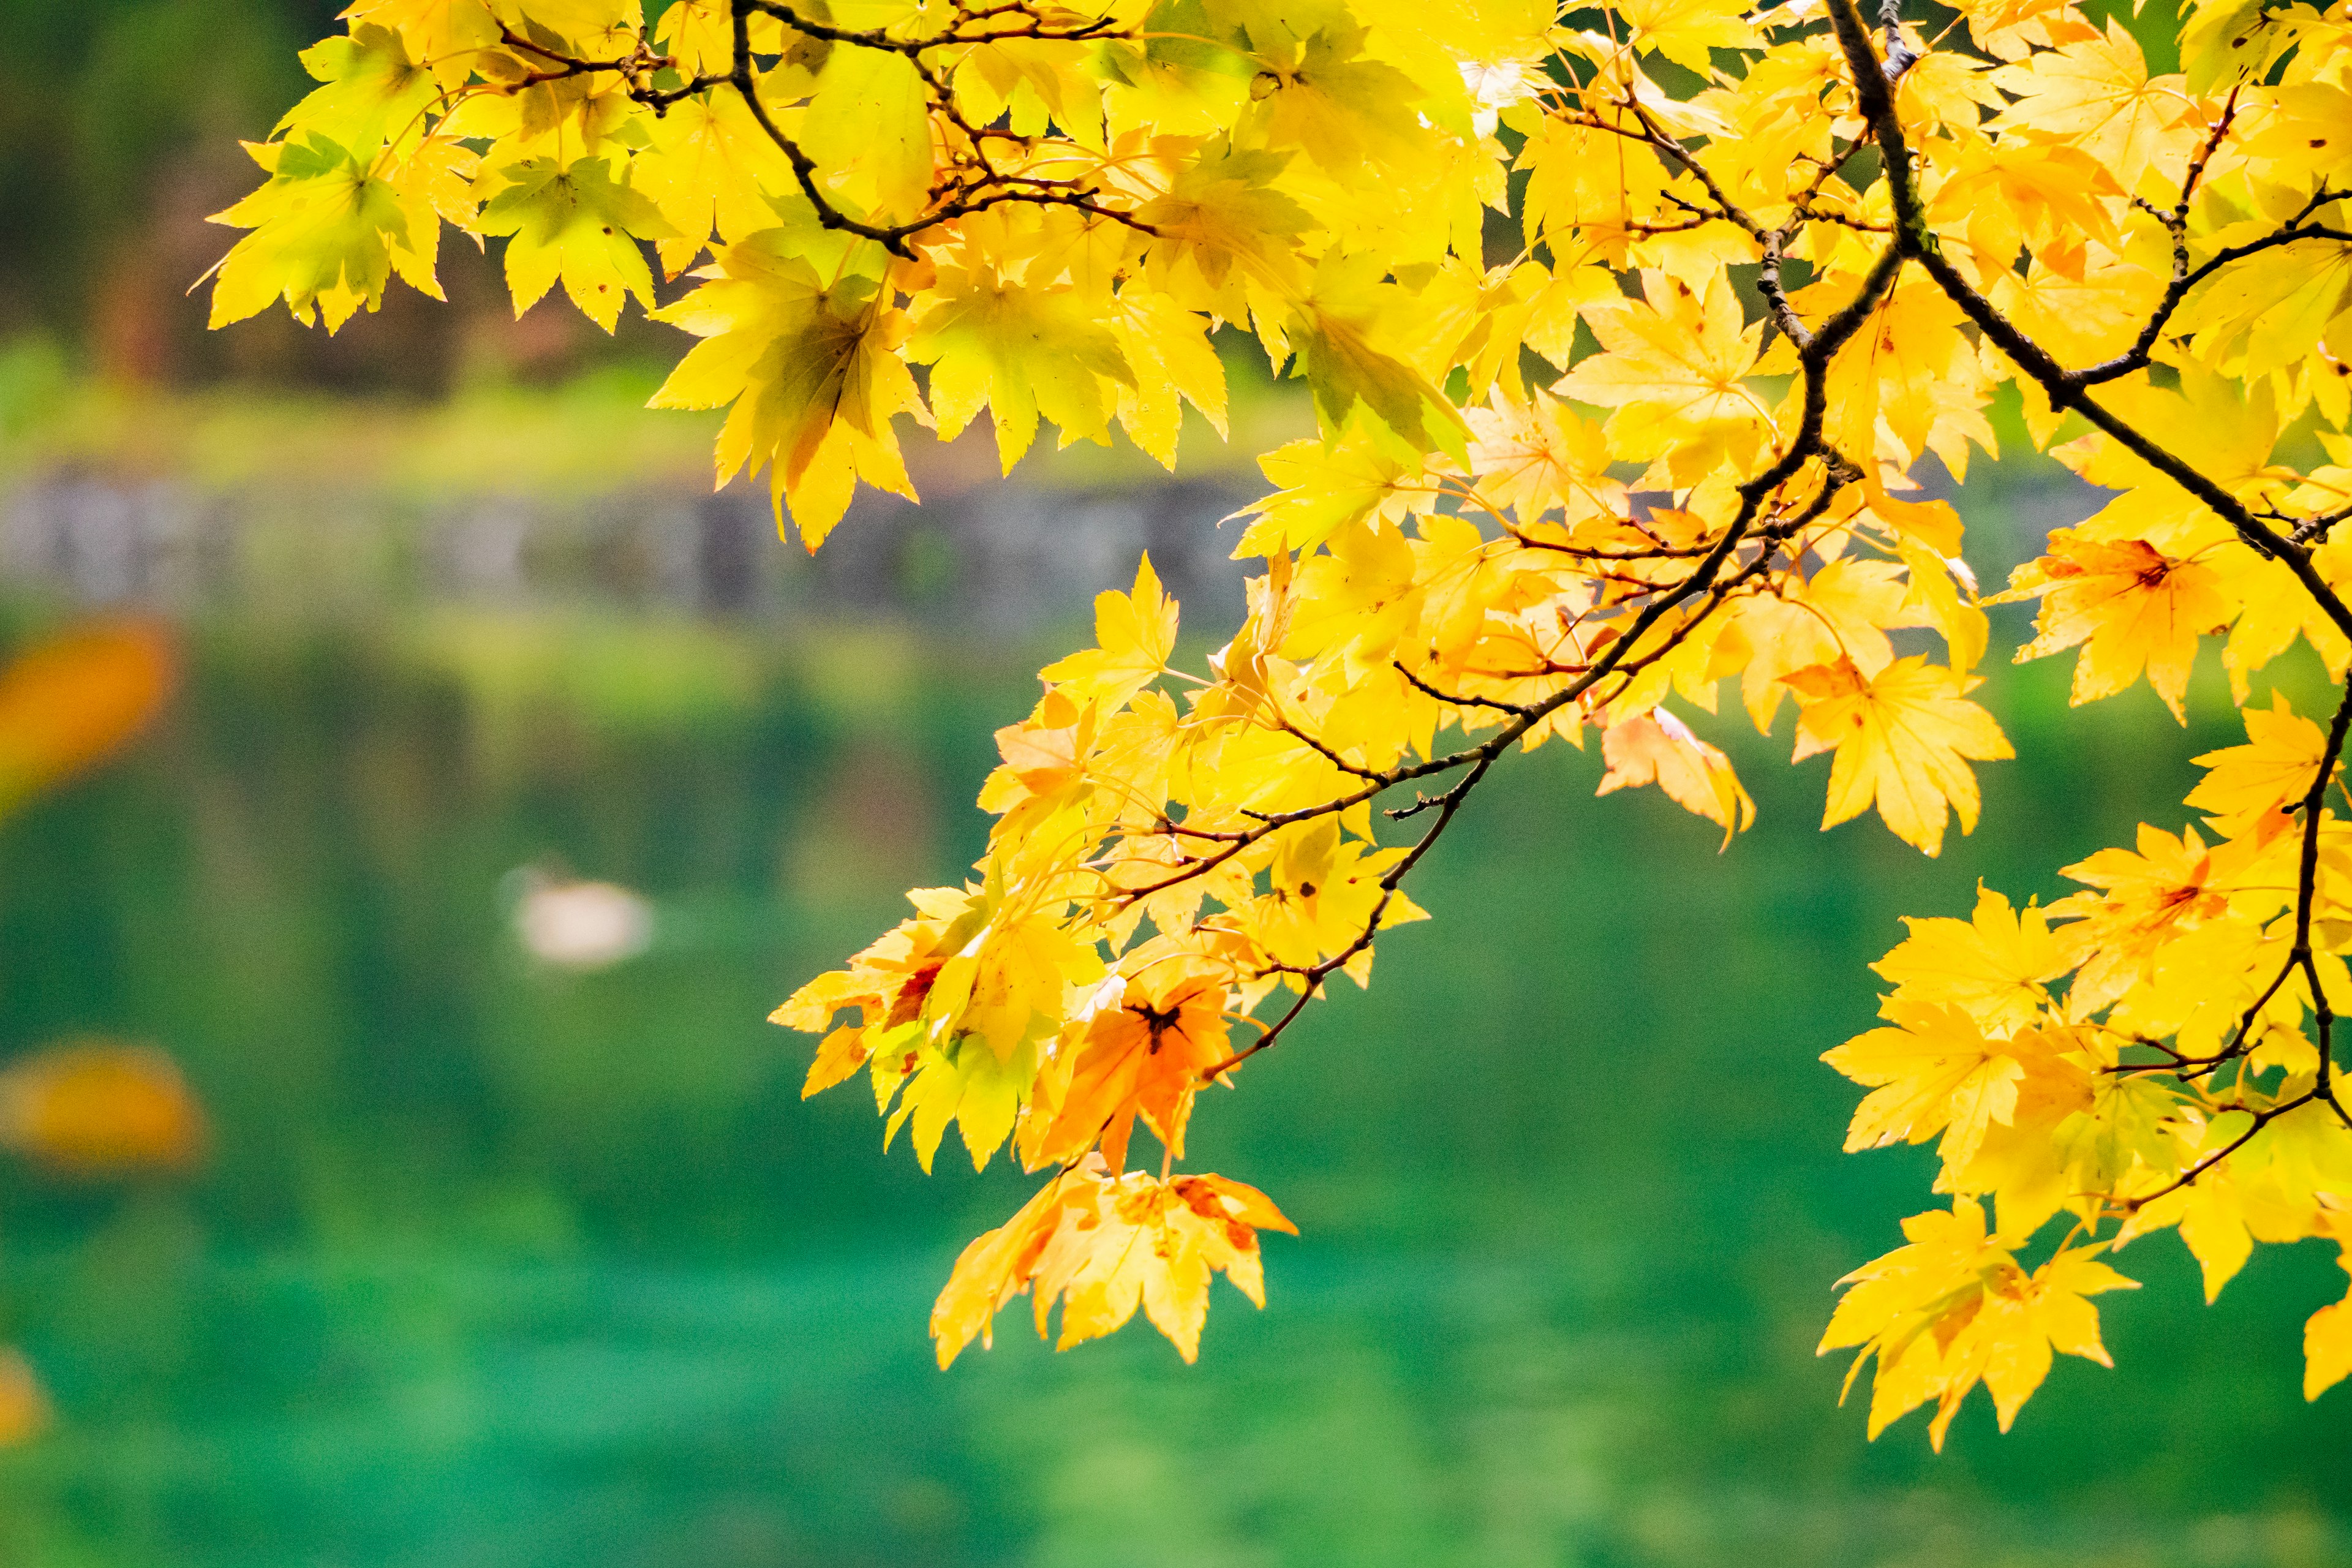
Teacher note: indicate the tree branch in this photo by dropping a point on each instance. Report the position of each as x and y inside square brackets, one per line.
[2064, 392]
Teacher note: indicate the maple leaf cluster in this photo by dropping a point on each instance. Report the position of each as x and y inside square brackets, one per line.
[1762, 263]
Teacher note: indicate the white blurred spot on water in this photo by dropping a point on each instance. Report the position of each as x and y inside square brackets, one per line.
[579, 925]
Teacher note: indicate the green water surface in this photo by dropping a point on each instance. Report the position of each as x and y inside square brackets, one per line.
[497, 1266]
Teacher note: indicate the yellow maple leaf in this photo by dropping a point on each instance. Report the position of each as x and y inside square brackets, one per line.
[1168, 349]
[2006, 29]
[2327, 1342]
[2272, 310]
[2019, 1333]
[700, 35]
[1933, 1072]
[1101, 1245]
[710, 168]
[1954, 1308]
[1673, 366]
[1135, 633]
[1909, 369]
[1540, 457]
[1684, 30]
[1943, 595]
[1903, 739]
[575, 22]
[2143, 900]
[2067, 1121]
[1994, 966]
[1321, 488]
[1324, 891]
[1044, 754]
[2199, 984]
[2250, 786]
[1141, 1051]
[868, 130]
[2274, 610]
[1658, 748]
[2213, 1227]
[2001, 197]
[1589, 188]
[2096, 96]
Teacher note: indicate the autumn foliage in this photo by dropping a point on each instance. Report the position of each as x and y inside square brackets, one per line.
[1626, 329]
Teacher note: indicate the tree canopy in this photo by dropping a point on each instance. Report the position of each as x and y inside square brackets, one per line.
[1626, 329]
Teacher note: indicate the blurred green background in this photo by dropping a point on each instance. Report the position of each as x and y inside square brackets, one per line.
[498, 1264]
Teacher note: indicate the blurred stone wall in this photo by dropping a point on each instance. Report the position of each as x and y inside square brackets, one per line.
[995, 557]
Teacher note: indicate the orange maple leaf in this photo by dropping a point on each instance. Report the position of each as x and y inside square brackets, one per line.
[1140, 1052]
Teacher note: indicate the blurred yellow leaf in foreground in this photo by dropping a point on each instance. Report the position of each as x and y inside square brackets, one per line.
[23, 1408]
[96, 1108]
[67, 702]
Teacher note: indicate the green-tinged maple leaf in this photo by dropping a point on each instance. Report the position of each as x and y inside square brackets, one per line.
[583, 25]
[810, 369]
[1021, 351]
[1224, 219]
[869, 130]
[1337, 335]
[446, 36]
[579, 223]
[1325, 98]
[374, 92]
[328, 235]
